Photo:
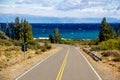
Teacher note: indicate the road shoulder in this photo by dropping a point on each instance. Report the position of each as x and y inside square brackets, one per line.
[105, 71]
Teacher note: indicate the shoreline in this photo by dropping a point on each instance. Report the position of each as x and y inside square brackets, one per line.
[47, 38]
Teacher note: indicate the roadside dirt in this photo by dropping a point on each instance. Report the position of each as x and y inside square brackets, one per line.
[106, 70]
[13, 71]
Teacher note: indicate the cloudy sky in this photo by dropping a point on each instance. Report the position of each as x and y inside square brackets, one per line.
[62, 8]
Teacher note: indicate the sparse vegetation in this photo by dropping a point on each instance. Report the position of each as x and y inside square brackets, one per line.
[5, 42]
[16, 42]
[117, 59]
[43, 49]
[111, 44]
[38, 52]
[69, 42]
[33, 45]
[111, 53]
[48, 45]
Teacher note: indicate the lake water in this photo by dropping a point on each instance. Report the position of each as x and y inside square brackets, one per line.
[67, 31]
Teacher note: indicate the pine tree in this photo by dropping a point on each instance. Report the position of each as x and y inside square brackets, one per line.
[17, 28]
[26, 34]
[13, 31]
[118, 31]
[106, 31]
[51, 38]
[7, 32]
[0, 28]
[57, 36]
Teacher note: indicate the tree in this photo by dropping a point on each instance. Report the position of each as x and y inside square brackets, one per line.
[106, 31]
[13, 31]
[17, 28]
[26, 34]
[57, 36]
[7, 32]
[118, 31]
[0, 28]
[51, 38]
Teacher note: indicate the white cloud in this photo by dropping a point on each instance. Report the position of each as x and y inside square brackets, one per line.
[64, 8]
[40, 2]
[118, 8]
[20, 1]
[68, 4]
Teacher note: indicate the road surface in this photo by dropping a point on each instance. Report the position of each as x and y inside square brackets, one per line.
[66, 64]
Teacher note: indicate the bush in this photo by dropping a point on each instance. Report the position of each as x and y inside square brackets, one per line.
[117, 59]
[29, 57]
[33, 45]
[111, 53]
[32, 42]
[68, 42]
[97, 48]
[38, 52]
[5, 42]
[85, 42]
[48, 45]
[43, 48]
[111, 44]
[17, 43]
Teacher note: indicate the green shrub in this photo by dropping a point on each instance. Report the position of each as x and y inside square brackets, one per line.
[97, 48]
[38, 52]
[32, 42]
[33, 45]
[43, 48]
[48, 45]
[5, 42]
[17, 43]
[68, 42]
[84, 42]
[37, 40]
[111, 44]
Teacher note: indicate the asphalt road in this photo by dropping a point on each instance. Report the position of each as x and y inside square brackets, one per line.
[66, 64]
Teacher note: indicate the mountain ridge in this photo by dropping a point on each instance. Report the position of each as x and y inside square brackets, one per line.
[41, 19]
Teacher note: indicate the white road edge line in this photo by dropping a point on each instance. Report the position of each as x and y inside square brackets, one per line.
[90, 66]
[36, 65]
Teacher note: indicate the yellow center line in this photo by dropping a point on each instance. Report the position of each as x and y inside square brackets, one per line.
[59, 76]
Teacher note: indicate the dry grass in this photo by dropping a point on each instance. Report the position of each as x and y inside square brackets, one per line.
[12, 62]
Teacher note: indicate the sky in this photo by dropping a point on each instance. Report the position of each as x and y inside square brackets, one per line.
[62, 8]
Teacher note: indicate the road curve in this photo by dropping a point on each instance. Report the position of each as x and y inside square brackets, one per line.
[66, 64]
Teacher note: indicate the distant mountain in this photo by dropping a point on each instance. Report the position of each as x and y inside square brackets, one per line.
[39, 19]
